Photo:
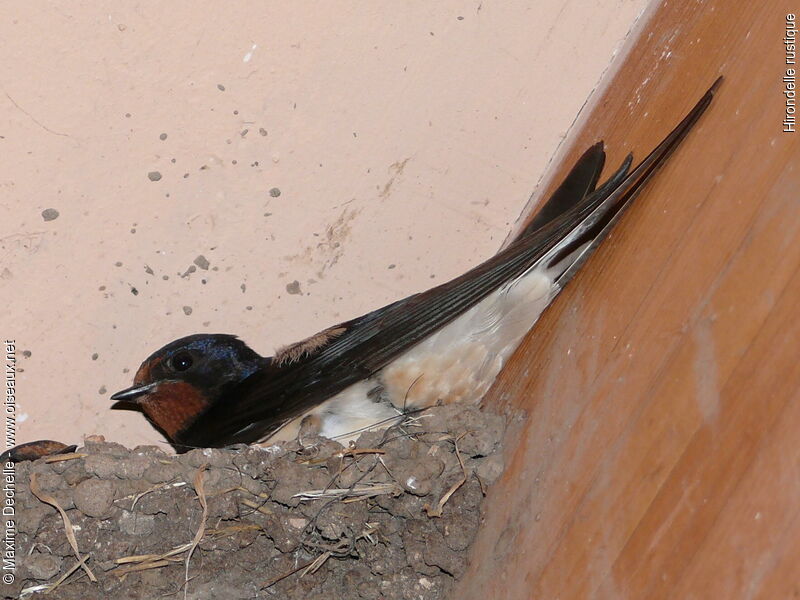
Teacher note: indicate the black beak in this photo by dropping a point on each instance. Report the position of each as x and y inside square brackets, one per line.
[132, 393]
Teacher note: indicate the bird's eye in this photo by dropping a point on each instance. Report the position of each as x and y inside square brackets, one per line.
[182, 361]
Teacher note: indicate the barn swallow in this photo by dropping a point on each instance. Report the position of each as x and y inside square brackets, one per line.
[444, 345]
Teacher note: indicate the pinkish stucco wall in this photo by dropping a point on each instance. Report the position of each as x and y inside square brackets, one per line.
[405, 139]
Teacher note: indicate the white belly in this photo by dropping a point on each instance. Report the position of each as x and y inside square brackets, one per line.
[458, 363]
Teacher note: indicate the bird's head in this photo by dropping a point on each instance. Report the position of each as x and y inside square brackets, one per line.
[177, 383]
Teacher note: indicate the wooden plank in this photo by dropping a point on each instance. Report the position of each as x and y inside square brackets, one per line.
[739, 552]
[719, 422]
[651, 390]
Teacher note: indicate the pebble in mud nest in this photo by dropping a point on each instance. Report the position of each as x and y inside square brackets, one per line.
[94, 497]
[43, 566]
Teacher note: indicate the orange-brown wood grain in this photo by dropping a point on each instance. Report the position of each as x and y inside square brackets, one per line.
[655, 430]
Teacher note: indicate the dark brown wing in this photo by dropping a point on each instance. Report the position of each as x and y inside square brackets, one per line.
[35, 450]
[288, 388]
[579, 182]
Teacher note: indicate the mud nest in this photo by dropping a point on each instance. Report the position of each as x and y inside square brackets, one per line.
[392, 516]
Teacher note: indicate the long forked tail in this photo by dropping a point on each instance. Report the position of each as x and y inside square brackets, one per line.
[610, 199]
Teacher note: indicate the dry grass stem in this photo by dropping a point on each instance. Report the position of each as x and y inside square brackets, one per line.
[437, 510]
[256, 506]
[357, 491]
[274, 580]
[199, 488]
[63, 457]
[61, 579]
[155, 488]
[68, 531]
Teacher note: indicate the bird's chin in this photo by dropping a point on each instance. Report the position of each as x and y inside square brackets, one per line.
[171, 406]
